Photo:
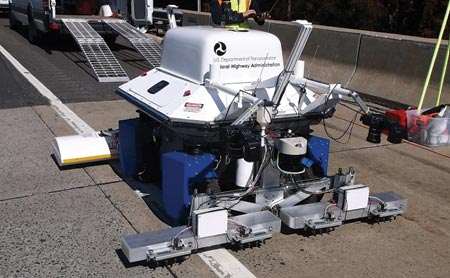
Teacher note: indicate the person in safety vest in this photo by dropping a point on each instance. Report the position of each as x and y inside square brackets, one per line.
[235, 13]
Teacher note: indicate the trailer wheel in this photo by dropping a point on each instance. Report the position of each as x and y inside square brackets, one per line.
[32, 31]
[13, 24]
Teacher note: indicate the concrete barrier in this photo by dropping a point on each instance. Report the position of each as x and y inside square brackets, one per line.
[191, 18]
[387, 66]
[395, 69]
[330, 56]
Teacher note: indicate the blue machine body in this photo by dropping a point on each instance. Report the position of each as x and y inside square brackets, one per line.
[318, 152]
[129, 146]
[135, 143]
[180, 173]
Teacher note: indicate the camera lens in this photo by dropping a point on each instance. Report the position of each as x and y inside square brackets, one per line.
[375, 123]
[396, 133]
[374, 135]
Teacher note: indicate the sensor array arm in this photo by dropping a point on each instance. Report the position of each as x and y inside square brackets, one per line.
[285, 75]
[333, 88]
[212, 83]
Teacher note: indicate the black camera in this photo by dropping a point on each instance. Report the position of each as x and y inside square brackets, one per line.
[379, 122]
[242, 143]
[375, 123]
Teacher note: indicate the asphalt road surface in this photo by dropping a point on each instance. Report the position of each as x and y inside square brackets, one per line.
[69, 223]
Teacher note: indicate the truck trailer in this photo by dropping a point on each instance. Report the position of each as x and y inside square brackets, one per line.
[93, 24]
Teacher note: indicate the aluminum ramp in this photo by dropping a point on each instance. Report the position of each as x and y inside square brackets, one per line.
[102, 61]
[149, 48]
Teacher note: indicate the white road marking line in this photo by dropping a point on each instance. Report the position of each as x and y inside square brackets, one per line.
[60, 108]
[220, 261]
[224, 264]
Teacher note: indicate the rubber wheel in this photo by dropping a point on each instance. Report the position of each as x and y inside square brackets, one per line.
[13, 23]
[32, 31]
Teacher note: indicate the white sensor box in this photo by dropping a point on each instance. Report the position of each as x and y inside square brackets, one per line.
[209, 222]
[353, 197]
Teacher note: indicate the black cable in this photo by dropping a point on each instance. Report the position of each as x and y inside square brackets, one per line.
[349, 127]
[349, 108]
[215, 199]
[270, 115]
[264, 164]
[206, 202]
[328, 98]
[231, 103]
[229, 106]
[230, 207]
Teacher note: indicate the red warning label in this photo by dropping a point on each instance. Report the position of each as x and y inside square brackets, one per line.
[193, 105]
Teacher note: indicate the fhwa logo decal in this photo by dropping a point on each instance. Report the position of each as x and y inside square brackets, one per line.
[220, 49]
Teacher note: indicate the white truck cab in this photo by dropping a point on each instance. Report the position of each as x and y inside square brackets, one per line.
[4, 5]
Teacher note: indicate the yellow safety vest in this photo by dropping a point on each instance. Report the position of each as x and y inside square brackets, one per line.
[239, 6]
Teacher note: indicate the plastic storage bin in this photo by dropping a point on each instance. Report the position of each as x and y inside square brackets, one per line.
[428, 130]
